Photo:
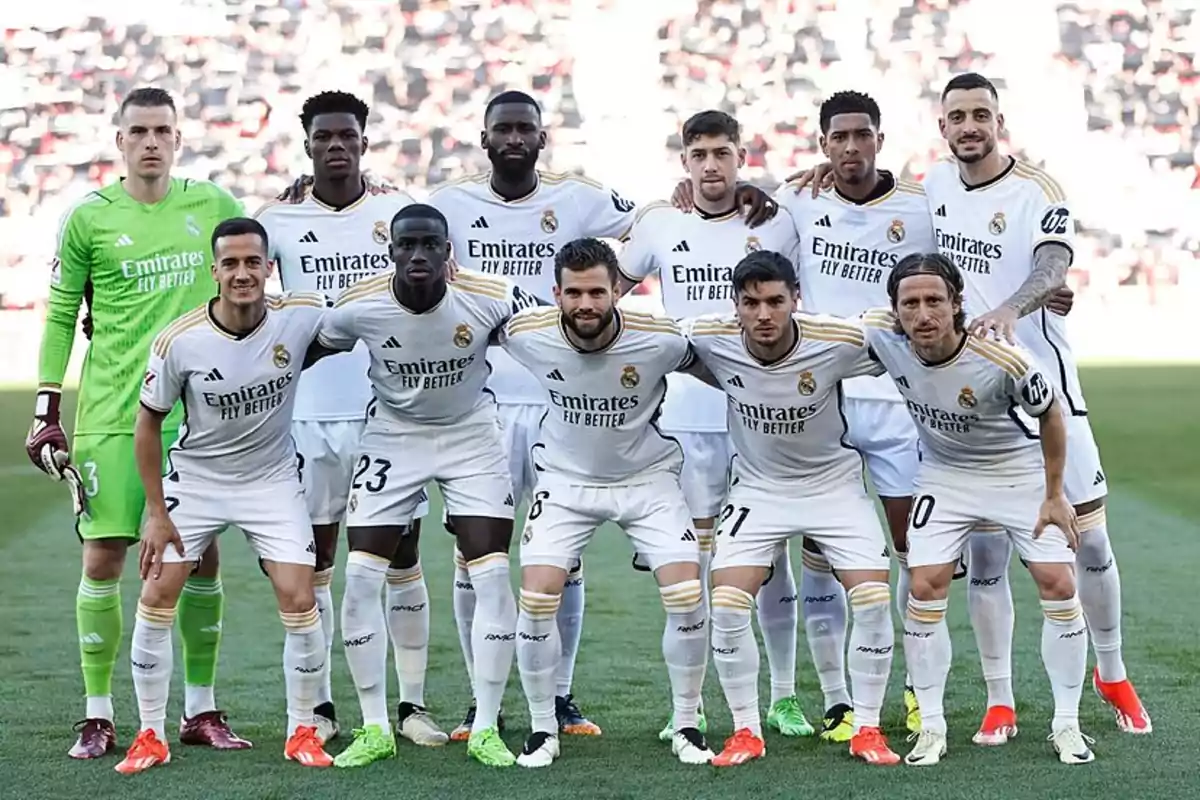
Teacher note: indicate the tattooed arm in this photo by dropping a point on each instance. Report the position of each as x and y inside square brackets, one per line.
[1050, 264]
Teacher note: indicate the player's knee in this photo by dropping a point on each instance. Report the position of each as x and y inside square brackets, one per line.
[682, 596]
[295, 594]
[482, 536]
[377, 540]
[871, 600]
[325, 537]
[104, 559]
[927, 584]
[678, 572]
[543, 580]
[1094, 553]
[730, 610]
[164, 591]
[408, 553]
[1054, 581]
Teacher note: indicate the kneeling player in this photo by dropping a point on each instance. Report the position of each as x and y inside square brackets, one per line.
[433, 421]
[235, 363]
[982, 461]
[600, 458]
[793, 476]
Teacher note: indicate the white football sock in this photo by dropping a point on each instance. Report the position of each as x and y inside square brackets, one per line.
[777, 621]
[685, 648]
[493, 635]
[735, 655]
[323, 589]
[990, 606]
[364, 634]
[152, 657]
[871, 641]
[304, 665]
[903, 580]
[198, 700]
[570, 629]
[408, 625]
[1100, 592]
[927, 651]
[1064, 654]
[538, 654]
[824, 602]
[464, 613]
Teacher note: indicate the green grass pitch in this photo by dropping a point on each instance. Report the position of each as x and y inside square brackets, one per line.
[1147, 427]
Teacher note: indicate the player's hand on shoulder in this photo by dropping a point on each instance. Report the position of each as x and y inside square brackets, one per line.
[158, 534]
[754, 204]
[1061, 301]
[1000, 323]
[818, 177]
[682, 198]
[297, 191]
[1058, 511]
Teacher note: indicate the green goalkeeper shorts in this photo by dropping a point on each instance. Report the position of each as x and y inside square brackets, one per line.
[115, 498]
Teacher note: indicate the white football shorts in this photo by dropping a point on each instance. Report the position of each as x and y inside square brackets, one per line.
[651, 510]
[326, 452]
[705, 476]
[949, 503]
[1084, 479]
[396, 459]
[883, 431]
[521, 424]
[759, 519]
[272, 515]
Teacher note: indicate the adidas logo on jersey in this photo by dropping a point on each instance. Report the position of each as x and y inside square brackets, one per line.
[1099, 478]
[391, 342]
[941, 211]
[555, 376]
[736, 380]
[310, 238]
[824, 222]
[123, 241]
[903, 381]
[682, 247]
[508, 501]
[214, 375]
[479, 223]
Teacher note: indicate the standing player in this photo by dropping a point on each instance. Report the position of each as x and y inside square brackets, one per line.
[600, 457]
[972, 401]
[510, 222]
[854, 234]
[693, 255]
[140, 248]
[1009, 228]
[794, 475]
[334, 237]
[433, 420]
[233, 363]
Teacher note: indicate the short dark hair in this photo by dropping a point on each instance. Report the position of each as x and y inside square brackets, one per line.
[333, 103]
[929, 264]
[147, 97]
[848, 102]
[421, 211]
[583, 254]
[711, 123]
[510, 97]
[764, 266]
[968, 81]
[239, 226]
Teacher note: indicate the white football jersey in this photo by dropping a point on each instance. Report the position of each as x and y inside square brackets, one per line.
[785, 418]
[518, 239]
[973, 411]
[848, 252]
[238, 391]
[694, 257]
[428, 368]
[602, 407]
[318, 248]
[991, 231]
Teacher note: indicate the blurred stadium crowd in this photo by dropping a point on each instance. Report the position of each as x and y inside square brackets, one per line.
[1103, 93]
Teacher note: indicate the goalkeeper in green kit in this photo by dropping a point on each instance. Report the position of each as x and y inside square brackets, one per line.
[140, 249]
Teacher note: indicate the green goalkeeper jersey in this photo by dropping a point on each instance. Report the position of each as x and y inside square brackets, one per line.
[147, 264]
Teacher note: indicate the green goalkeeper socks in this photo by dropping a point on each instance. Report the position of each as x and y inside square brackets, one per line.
[98, 615]
[200, 609]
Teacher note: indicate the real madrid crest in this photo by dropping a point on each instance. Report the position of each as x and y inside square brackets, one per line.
[353, 504]
[549, 221]
[895, 231]
[527, 534]
[806, 384]
[280, 356]
[966, 398]
[753, 244]
[629, 376]
[380, 232]
[997, 225]
[463, 336]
